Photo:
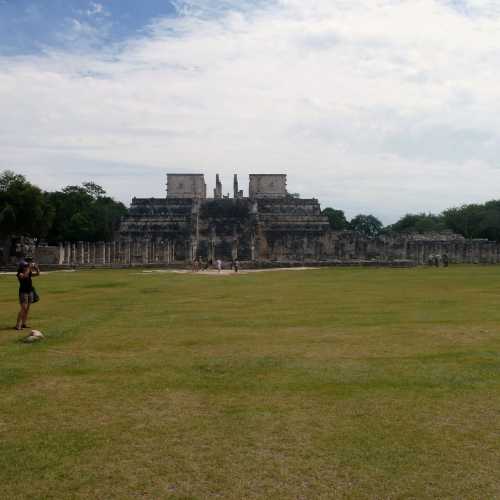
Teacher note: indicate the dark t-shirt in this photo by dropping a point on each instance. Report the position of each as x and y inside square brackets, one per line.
[25, 284]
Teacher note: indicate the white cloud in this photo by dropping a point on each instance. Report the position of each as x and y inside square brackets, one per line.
[381, 106]
[95, 9]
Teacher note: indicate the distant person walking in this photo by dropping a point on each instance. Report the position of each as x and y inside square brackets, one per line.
[236, 265]
[219, 265]
[446, 260]
[25, 272]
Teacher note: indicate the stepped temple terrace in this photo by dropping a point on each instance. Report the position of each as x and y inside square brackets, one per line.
[269, 227]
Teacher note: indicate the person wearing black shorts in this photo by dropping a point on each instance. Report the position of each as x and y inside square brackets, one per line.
[24, 274]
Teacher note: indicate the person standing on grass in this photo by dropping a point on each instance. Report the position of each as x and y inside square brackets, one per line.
[25, 272]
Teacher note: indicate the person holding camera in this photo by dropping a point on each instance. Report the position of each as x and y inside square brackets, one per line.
[26, 271]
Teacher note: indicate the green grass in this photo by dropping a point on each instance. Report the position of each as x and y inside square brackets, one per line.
[332, 383]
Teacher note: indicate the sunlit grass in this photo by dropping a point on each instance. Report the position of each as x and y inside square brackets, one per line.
[355, 383]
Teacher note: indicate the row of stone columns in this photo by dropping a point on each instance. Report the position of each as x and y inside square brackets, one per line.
[458, 251]
[119, 252]
[145, 251]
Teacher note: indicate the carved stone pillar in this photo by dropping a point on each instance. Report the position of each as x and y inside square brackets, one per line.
[74, 256]
[234, 249]
[67, 253]
[165, 252]
[81, 256]
[61, 253]
[102, 253]
[145, 251]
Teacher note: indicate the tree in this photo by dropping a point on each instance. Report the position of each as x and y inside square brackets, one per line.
[80, 227]
[475, 220]
[84, 213]
[8, 178]
[94, 190]
[25, 203]
[419, 223]
[368, 225]
[336, 218]
[107, 214]
[465, 220]
[7, 221]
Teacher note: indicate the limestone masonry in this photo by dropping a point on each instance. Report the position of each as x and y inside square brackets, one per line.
[268, 227]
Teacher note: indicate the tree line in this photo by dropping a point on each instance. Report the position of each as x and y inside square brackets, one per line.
[85, 213]
[471, 221]
[72, 214]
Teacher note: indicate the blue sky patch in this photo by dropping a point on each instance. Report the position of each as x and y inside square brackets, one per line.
[28, 27]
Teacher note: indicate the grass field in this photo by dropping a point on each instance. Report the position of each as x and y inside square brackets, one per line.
[333, 383]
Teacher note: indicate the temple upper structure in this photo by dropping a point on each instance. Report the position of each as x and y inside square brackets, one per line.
[218, 187]
[267, 186]
[186, 186]
[269, 224]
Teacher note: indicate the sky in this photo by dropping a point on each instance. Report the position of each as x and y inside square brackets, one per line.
[381, 107]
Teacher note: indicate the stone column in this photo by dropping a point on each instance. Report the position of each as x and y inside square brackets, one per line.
[67, 253]
[74, 256]
[102, 253]
[61, 253]
[145, 251]
[234, 250]
[81, 256]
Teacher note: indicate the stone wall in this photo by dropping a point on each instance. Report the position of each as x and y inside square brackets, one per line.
[267, 185]
[259, 250]
[186, 186]
[332, 248]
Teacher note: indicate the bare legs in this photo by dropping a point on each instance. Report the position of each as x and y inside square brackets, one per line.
[22, 316]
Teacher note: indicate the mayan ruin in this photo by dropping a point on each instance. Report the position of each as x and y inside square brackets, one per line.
[268, 227]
